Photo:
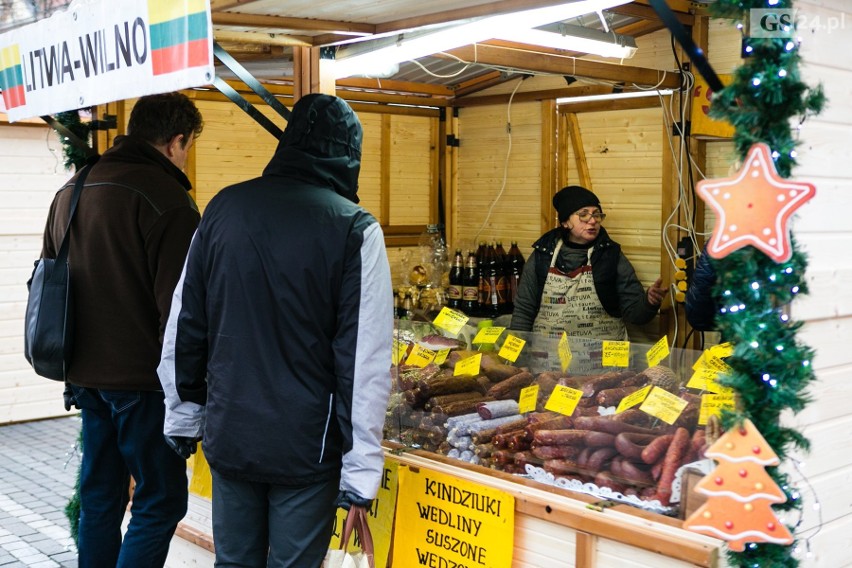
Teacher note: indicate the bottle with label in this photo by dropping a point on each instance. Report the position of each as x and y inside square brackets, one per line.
[494, 298]
[407, 309]
[483, 290]
[454, 292]
[470, 286]
[514, 269]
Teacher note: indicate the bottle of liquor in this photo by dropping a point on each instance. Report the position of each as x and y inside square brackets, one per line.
[407, 307]
[454, 291]
[502, 283]
[515, 266]
[483, 261]
[470, 286]
[494, 297]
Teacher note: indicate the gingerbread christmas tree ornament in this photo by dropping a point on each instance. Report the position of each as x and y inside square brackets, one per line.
[753, 207]
[740, 493]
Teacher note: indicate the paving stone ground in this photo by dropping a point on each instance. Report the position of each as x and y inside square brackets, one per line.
[38, 467]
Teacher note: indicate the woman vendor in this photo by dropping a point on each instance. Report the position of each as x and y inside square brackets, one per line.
[578, 281]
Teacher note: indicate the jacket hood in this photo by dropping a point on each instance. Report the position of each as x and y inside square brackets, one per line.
[321, 145]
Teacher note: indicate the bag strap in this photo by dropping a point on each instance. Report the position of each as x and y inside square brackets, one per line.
[62, 254]
[356, 521]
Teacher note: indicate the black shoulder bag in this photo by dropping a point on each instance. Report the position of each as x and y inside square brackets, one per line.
[49, 322]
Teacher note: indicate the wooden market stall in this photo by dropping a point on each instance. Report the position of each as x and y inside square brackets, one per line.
[484, 156]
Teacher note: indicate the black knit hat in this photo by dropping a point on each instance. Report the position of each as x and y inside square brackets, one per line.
[571, 199]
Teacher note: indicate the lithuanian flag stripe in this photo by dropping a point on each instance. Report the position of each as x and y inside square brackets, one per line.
[180, 30]
[180, 56]
[164, 10]
[11, 77]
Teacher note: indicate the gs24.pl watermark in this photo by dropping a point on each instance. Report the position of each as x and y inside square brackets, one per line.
[786, 23]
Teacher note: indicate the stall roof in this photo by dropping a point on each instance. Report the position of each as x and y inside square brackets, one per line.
[261, 34]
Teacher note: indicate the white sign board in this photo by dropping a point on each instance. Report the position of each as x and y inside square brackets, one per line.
[102, 51]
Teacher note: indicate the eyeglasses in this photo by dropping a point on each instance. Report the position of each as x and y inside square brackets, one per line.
[585, 216]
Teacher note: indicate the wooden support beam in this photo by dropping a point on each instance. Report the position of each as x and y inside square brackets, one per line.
[641, 28]
[384, 171]
[310, 73]
[549, 154]
[402, 87]
[480, 83]
[612, 104]
[219, 5]
[257, 38]
[645, 12]
[286, 23]
[583, 174]
[586, 550]
[571, 66]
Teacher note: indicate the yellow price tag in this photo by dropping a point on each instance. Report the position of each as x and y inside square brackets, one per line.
[713, 362]
[723, 350]
[441, 356]
[616, 354]
[658, 352]
[511, 348]
[633, 399]
[563, 400]
[488, 334]
[704, 379]
[398, 352]
[528, 399]
[664, 405]
[451, 320]
[468, 366]
[565, 354]
[420, 356]
[712, 405]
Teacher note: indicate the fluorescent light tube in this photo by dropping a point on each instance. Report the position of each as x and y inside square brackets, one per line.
[614, 96]
[571, 42]
[465, 34]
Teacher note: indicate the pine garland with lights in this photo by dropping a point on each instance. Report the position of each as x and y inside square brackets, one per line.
[74, 156]
[771, 368]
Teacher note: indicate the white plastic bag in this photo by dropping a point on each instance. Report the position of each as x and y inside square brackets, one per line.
[356, 521]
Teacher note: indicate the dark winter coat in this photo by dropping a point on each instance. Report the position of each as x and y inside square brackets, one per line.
[279, 342]
[129, 239]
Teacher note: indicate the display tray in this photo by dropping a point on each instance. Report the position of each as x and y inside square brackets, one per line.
[615, 420]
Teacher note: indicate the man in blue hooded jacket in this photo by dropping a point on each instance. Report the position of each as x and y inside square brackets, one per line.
[278, 346]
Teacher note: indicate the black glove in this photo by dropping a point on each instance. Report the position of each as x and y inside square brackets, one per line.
[68, 397]
[183, 446]
[346, 499]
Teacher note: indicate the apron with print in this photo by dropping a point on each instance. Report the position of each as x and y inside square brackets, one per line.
[570, 303]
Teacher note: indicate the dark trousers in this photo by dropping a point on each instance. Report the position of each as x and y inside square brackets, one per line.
[257, 525]
[123, 436]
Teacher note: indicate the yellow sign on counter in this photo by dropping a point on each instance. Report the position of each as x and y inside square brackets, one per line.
[379, 517]
[441, 356]
[420, 356]
[399, 349]
[528, 399]
[712, 405]
[616, 354]
[488, 334]
[511, 348]
[664, 405]
[633, 399]
[451, 320]
[468, 366]
[563, 400]
[658, 352]
[445, 521]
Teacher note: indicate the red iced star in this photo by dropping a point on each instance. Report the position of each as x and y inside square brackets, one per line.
[753, 207]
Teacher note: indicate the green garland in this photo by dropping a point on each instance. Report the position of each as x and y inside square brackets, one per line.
[74, 156]
[771, 369]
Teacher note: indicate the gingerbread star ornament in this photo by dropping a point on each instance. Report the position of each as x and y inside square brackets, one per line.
[753, 207]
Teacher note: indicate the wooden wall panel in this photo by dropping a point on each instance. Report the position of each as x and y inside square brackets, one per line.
[370, 180]
[31, 171]
[412, 147]
[485, 144]
[624, 155]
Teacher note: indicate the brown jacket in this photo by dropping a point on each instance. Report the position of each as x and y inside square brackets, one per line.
[129, 238]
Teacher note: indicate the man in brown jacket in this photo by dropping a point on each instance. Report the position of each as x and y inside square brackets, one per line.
[129, 238]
